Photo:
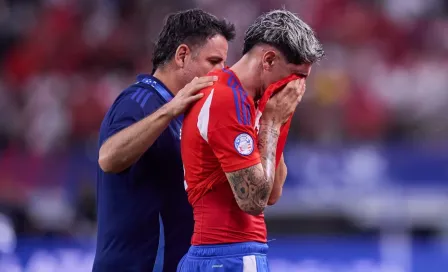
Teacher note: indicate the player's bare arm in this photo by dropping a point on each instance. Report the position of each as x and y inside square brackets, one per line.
[252, 186]
[125, 147]
[279, 181]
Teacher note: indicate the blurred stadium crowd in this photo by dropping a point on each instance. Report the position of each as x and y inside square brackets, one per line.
[63, 62]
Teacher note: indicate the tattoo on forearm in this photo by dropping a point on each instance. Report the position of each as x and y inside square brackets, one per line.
[252, 186]
[267, 144]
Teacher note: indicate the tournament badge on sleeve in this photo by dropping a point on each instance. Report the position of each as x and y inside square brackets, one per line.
[244, 144]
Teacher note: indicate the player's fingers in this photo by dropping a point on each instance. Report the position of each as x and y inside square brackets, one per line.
[283, 92]
[295, 84]
[288, 93]
[291, 91]
[302, 93]
[299, 98]
[291, 85]
[300, 86]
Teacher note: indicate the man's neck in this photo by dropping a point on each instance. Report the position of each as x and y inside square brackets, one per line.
[168, 78]
[245, 70]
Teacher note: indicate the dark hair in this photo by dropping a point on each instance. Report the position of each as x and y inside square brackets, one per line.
[192, 27]
[285, 31]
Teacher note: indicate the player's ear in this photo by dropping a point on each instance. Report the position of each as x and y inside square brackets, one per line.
[182, 52]
[269, 58]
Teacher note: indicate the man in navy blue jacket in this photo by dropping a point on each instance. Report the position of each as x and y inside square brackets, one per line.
[140, 190]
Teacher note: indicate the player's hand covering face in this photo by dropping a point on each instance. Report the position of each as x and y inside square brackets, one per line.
[280, 107]
[203, 59]
[275, 67]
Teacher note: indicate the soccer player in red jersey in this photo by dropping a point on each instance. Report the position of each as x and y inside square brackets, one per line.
[229, 166]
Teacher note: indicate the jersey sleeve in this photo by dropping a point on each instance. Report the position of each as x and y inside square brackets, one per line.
[231, 134]
[128, 110]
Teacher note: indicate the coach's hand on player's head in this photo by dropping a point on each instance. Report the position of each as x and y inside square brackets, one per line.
[189, 94]
[280, 107]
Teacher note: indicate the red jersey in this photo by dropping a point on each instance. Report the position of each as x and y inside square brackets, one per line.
[218, 136]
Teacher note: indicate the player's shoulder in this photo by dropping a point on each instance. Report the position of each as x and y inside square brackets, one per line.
[137, 98]
[226, 89]
[222, 89]
[220, 93]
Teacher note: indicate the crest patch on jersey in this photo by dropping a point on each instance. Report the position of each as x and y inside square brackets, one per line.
[244, 144]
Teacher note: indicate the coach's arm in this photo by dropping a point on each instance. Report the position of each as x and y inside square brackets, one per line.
[125, 147]
[279, 181]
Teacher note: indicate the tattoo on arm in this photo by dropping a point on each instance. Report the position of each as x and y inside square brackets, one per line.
[252, 186]
[267, 144]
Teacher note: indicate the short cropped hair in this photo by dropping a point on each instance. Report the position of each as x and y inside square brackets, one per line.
[286, 32]
[192, 27]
